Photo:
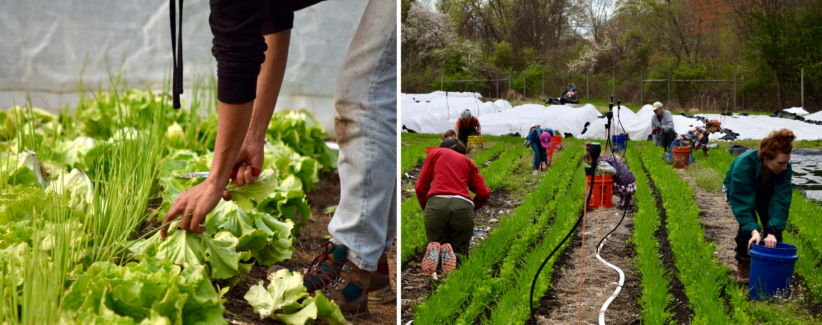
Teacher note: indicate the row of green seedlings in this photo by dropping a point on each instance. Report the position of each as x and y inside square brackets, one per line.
[655, 282]
[698, 270]
[413, 155]
[513, 306]
[519, 247]
[412, 222]
[802, 217]
[467, 282]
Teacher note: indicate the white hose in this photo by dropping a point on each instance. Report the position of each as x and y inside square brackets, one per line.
[618, 289]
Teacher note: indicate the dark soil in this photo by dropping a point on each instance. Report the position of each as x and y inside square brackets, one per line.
[682, 312]
[326, 193]
[407, 182]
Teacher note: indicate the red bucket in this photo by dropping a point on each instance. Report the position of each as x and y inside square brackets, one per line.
[681, 157]
[429, 149]
[600, 199]
[555, 141]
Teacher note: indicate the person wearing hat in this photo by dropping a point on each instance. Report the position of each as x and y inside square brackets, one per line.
[442, 189]
[696, 138]
[535, 141]
[467, 125]
[662, 125]
[758, 186]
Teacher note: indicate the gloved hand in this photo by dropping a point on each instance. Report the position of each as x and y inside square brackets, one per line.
[527, 143]
[479, 133]
[655, 130]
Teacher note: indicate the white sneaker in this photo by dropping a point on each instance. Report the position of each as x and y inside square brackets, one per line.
[535, 172]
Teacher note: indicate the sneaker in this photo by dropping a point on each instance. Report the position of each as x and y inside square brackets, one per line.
[380, 291]
[431, 259]
[448, 259]
[336, 278]
[535, 172]
[743, 272]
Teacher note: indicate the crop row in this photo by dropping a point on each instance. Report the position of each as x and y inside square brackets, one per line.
[513, 306]
[413, 155]
[466, 282]
[412, 223]
[522, 244]
[655, 297]
[698, 271]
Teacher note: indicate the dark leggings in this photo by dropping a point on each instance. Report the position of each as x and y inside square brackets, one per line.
[238, 28]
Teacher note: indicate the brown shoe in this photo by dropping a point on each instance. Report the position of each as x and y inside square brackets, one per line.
[380, 291]
[743, 270]
[336, 278]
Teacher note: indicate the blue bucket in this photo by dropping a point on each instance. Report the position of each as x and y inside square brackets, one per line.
[619, 141]
[771, 270]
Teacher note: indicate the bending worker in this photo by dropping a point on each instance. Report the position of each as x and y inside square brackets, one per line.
[467, 125]
[442, 189]
[534, 140]
[759, 184]
[696, 138]
[663, 127]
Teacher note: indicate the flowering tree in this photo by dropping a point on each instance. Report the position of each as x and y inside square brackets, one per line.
[422, 32]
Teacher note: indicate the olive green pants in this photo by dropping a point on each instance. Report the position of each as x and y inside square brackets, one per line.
[450, 220]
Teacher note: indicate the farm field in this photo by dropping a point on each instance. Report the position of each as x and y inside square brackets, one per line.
[83, 194]
[674, 246]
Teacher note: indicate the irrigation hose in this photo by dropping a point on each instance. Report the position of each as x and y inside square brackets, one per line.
[619, 286]
[534, 283]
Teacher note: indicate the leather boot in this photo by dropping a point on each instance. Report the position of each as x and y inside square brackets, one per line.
[380, 291]
[743, 270]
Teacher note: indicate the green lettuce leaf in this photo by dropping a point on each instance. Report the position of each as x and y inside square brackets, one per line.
[265, 184]
[287, 300]
[76, 183]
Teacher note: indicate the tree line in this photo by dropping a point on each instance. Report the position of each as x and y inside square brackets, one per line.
[762, 44]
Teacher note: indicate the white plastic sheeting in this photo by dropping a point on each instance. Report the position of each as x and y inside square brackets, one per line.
[815, 116]
[428, 113]
[47, 42]
[797, 110]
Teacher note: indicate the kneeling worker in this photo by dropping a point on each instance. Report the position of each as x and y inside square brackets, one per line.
[759, 184]
[662, 125]
[467, 125]
[442, 189]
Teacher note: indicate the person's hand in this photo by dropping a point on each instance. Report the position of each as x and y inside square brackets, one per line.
[754, 238]
[249, 163]
[770, 241]
[194, 204]
[479, 133]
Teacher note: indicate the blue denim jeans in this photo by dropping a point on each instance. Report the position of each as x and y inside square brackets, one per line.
[539, 154]
[365, 96]
[679, 144]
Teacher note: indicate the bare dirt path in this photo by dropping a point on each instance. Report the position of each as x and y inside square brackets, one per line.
[561, 302]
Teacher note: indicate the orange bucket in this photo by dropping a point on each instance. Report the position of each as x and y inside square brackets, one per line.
[429, 149]
[555, 141]
[550, 154]
[600, 199]
[681, 157]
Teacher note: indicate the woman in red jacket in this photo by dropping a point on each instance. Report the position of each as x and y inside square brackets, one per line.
[442, 190]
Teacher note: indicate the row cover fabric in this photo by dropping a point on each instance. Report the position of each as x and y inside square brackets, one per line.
[431, 113]
[50, 41]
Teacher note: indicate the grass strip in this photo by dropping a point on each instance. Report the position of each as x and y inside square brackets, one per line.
[413, 155]
[655, 283]
[698, 270]
[451, 296]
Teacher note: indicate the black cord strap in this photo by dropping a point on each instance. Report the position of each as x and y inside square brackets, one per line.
[177, 56]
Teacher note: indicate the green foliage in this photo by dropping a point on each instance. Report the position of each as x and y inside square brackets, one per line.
[502, 55]
[151, 292]
[533, 79]
[288, 301]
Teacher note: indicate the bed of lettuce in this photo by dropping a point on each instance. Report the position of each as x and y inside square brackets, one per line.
[78, 192]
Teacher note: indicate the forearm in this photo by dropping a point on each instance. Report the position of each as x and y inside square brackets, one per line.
[231, 130]
[269, 83]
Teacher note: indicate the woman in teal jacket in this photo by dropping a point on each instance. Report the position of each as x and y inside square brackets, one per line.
[759, 184]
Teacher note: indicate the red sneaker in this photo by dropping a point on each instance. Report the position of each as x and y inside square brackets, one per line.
[431, 259]
[449, 260]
